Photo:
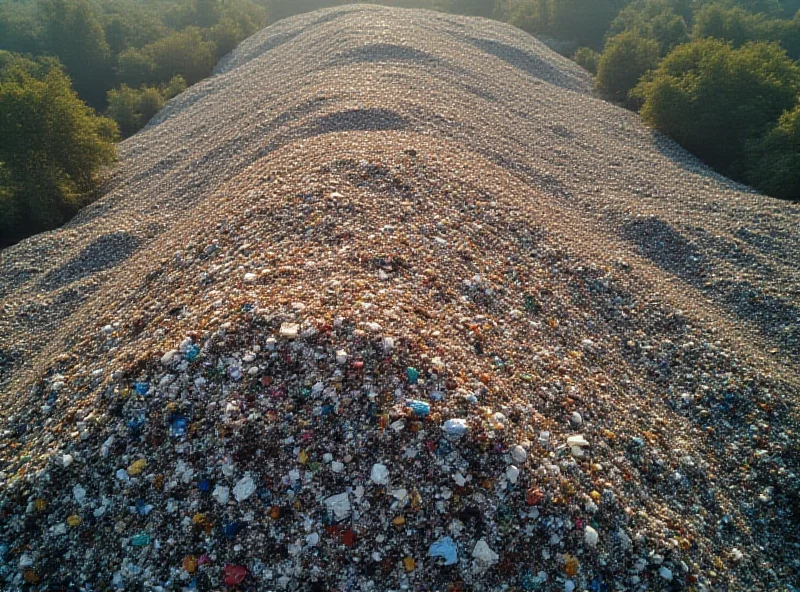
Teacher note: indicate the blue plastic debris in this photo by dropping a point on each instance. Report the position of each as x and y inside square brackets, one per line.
[192, 352]
[204, 485]
[178, 425]
[141, 388]
[444, 448]
[232, 529]
[413, 375]
[135, 425]
[420, 408]
[445, 548]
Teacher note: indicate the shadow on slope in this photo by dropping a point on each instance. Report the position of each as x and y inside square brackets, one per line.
[529, 63]
[103, 253]
[359, 120]
[384, 52]
[775, 318]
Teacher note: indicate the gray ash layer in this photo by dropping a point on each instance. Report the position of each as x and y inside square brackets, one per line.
[394, 302]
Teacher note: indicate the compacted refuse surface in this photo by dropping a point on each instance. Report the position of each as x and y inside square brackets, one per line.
[394, 302]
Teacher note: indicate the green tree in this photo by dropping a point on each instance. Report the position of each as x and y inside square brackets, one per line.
[732, 24]
[183, 53]
[134, 67]
[583, 21]
[713, 98]
[132, 108]
[193, 13]
[173, 88]
[53, 147]
[225, 36]
[72, 32]
[654, 19]
[20, 31]
[624, 60]
[532, 16]
[773, 161]
[128, 24]
[587, 58]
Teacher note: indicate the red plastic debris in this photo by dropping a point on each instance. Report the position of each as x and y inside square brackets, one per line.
[234, 574]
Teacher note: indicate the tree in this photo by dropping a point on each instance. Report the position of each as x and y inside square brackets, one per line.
[134, 67]
[624, 60]
[225, 36]
[132, 108]
[175, 87]
[654, 19]
[53, 147]
[583, 21]
[19, 29]
[587, 58]
[731, 24]
[183, 53]
[72, 32]
[773, 161]
[532, 16]
[193, 13]
[713, 98]
[128, 24]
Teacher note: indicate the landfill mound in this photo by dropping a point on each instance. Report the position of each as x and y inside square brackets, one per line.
[393, 302]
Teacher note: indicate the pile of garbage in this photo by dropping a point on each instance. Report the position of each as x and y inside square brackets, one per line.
[374, 358]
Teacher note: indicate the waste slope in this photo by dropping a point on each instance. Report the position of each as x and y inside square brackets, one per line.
[392, 301]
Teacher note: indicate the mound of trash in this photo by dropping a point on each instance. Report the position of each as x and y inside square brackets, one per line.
[392, 302]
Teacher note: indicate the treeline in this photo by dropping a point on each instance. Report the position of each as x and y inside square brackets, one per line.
[131, 46]
[77, 75]
[720, 77]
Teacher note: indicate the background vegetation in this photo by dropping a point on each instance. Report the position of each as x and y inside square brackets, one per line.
[719, 76]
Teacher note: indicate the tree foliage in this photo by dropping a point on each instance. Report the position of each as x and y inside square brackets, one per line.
[773, 160]
[658, 20]
[181, 53]
[73, 33]
[132, 108]
[713, 98]
[624, 60]
[53, 147]
[587, 58]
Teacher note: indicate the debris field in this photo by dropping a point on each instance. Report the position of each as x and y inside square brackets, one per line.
[394, 302]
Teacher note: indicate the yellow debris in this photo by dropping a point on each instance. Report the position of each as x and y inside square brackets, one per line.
[137, 467]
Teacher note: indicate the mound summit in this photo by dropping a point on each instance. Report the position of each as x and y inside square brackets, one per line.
[393, 302]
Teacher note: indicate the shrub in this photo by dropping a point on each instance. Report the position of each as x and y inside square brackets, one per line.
[773, 161]
[587, 58]
[183, 53]
[654, 19]
[53, 147]
[624, 60]
[713, 98]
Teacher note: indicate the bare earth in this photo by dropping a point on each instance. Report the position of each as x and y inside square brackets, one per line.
[369, 222]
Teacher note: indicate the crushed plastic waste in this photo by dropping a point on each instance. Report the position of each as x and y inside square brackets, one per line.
[372, 360]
